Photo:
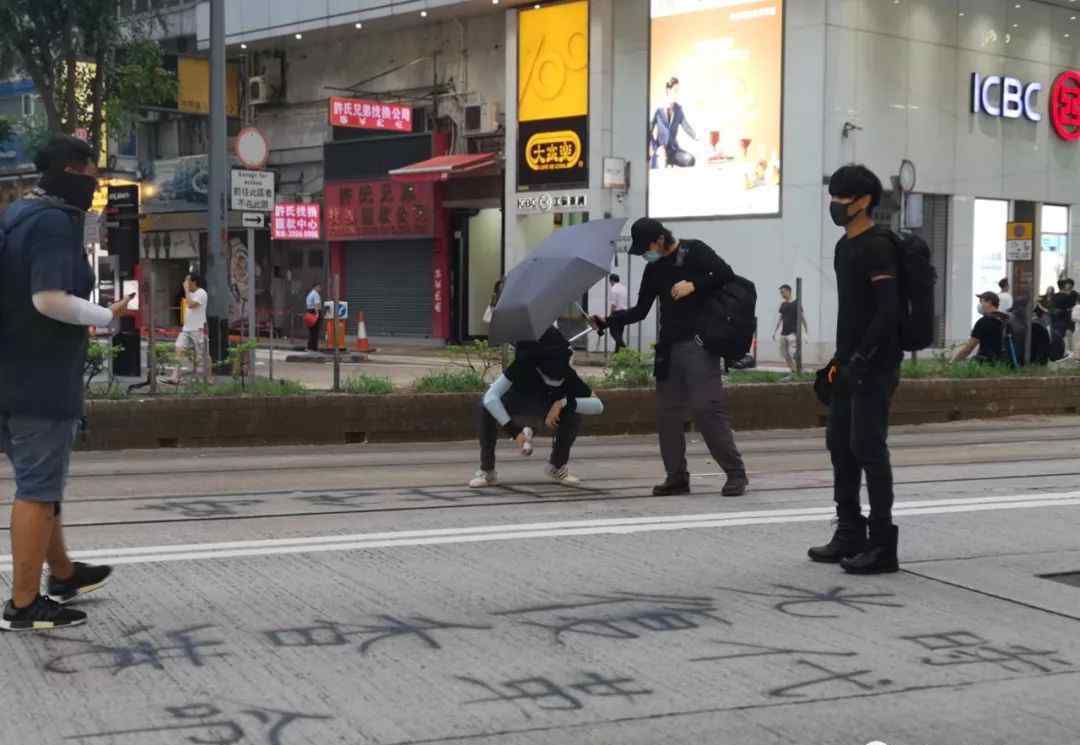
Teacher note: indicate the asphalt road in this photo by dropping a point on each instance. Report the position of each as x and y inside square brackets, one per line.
[362, 595]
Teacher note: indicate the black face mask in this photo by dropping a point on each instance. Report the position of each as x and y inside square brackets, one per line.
[76, 189]
[839, 213]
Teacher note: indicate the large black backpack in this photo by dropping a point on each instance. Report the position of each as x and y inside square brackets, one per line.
[728, 320]
[917, 277]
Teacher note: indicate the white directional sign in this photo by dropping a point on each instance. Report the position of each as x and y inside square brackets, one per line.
[254, 220]
[252, 191]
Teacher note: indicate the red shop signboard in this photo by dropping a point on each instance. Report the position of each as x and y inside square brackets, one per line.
[357, 210]
[361, 113]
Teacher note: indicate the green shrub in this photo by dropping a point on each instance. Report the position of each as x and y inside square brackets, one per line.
[478, 357]
[262, 387]
[627, 368]
[368, 385]
[451, 381]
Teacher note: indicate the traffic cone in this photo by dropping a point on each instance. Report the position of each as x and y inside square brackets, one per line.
[362, 344]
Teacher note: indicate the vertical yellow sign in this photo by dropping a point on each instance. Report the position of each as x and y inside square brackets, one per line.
[193, 94]
[553, 62]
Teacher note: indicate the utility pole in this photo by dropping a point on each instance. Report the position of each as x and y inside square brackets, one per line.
[217, 269]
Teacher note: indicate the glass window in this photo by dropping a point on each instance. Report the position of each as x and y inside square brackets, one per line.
[1055, 219]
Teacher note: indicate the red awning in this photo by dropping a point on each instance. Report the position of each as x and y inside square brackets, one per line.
[445, 167]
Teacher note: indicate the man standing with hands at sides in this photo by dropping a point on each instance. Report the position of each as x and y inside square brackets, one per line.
[689, 380]
[314, 305]
[786, 324]
[45, 281]
[618, 299]
[192, 338]
[863, 375]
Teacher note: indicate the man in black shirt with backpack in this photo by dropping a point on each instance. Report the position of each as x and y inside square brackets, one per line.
[689, 378]
[862, 376]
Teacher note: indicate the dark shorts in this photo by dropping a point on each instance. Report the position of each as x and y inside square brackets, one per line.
[40, 452]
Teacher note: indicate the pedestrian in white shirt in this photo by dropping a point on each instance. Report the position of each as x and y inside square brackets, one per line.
[191, 343]
[314, 306]
[618, 299]
[1005, 296]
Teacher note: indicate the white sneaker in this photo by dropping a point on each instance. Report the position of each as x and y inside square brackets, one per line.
[561, 475]
[484, 478]
[527, 448]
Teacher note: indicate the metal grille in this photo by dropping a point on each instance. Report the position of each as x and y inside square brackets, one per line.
[391, 283]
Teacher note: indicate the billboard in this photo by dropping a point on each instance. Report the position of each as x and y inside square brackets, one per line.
[715, 104]
[553, 97]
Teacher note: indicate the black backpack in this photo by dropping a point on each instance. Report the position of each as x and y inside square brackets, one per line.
[728, 322]
[917, 277]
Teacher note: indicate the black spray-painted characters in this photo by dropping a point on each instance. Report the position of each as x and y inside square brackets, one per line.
[804, 603]
[207, 724]
[540, 694]
[965, 648]
[620, 615]
[182, 646]
[323, 633]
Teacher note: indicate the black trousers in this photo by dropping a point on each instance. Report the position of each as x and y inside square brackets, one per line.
[523, 406]
[617, 336]
[313, 336]
[857, 437]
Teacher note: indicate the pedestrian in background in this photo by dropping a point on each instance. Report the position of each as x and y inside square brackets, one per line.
[314, 307]
[863, 374]
[1005, 297]
[787, 325]
[989, 335]
[45, 280]
[618, 300]
[689, 379]
[191, 343]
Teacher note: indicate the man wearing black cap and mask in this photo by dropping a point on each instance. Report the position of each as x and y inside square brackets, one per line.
[541, 383]
[863, 374]
[689, 380]
[45, 281]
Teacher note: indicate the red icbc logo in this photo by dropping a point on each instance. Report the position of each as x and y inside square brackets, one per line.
[1065, 105]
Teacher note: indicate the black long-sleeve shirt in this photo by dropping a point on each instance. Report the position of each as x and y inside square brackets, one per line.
[693, 262]
[868, 318]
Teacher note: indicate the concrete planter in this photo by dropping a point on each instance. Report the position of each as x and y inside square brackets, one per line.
[343, 419]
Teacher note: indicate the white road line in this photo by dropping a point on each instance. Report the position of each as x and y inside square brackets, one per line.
[564, 529]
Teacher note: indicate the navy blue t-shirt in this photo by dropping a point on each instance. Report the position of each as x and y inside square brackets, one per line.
[41, 360]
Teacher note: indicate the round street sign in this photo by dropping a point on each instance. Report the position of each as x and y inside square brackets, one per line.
[252, 148]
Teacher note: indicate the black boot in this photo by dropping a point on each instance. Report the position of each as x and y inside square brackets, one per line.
[673, 486]
[880, 556]
[736, 486]
[848, 541]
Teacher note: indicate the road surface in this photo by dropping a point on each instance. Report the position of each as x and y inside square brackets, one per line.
[362, 595]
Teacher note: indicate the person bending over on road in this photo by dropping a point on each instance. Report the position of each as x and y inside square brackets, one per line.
[542, 383]
[45, 281]
[863, 374]
[689, 380]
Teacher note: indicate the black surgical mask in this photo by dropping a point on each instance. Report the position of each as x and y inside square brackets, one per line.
[839, 213]
[76, 189]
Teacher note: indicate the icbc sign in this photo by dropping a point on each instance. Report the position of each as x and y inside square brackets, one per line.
[1065, 105]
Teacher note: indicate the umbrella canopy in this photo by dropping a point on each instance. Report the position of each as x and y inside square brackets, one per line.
[551, 278]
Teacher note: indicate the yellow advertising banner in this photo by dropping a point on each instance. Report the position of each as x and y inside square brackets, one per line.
[193, 95]
[553, 62]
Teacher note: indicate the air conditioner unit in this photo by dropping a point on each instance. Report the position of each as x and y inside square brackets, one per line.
[482, 118]
[258, 90]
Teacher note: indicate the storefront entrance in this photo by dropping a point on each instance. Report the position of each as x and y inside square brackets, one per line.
[391, 283]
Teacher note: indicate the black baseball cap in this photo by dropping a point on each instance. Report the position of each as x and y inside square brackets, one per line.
[989, 297]
[643, 232]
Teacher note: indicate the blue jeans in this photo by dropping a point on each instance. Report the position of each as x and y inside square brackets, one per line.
[40, 452]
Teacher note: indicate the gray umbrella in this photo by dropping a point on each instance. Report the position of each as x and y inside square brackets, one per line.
[551, 278]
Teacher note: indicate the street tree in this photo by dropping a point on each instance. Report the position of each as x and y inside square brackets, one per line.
[93, 70]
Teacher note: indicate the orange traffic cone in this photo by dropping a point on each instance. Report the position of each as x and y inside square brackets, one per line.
[362, 344]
